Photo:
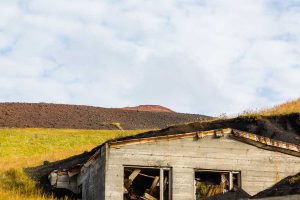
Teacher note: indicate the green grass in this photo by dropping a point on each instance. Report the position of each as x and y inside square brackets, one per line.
[22, 148]
[32, 142]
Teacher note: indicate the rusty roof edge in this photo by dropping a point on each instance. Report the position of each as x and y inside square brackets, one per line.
[277, 144]
[81, 167]
[91, 160]
[199, 134]
[148, 139]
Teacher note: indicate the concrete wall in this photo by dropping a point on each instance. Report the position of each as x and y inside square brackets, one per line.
[259, 168]
[92, 178]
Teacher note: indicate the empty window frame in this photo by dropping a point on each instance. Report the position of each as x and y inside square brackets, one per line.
[211, 182]
[149, 183]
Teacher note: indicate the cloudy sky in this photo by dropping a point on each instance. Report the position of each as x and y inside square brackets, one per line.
[196, 56]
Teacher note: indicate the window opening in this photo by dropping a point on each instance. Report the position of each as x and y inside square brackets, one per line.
[147, 183]
[209, 183]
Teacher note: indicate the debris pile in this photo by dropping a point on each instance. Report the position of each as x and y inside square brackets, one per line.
[66, 178]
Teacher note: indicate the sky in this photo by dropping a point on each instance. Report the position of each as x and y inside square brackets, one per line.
[207, 56]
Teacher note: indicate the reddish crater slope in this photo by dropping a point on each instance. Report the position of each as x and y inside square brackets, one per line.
[149, 108]
[44, 115]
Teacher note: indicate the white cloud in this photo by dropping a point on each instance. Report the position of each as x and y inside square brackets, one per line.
[206, 57]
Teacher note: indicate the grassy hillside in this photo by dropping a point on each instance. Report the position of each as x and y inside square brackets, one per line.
[285, 108]
[22, 148]
[281, 109]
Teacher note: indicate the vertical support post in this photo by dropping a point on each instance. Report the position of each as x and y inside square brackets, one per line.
[230, 181]
[161, 184]
[170, 183]
[239, 177]
[194, 189]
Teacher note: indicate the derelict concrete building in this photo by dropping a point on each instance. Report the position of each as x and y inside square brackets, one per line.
[189, 166]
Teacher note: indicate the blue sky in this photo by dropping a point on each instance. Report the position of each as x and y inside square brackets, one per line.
[207, 57]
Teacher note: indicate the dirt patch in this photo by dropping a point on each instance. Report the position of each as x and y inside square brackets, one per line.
[149, 108]
[41, 115]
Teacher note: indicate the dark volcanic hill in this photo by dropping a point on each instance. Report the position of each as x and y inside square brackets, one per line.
[21, 115]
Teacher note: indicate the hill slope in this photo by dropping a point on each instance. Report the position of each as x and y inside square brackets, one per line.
[285, 108]
[41, 115]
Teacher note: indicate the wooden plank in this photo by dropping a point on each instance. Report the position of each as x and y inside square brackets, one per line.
[149, 197]
[154, 184]
[134, 174]
[131, 177]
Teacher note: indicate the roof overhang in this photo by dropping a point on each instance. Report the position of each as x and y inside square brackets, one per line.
[242, 136]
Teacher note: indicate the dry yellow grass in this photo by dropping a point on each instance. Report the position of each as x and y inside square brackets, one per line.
[281, 109]
[22, 148]
[285, 108]
[18, 195]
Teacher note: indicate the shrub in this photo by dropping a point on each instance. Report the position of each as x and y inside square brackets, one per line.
[46, 162]
[294, 180]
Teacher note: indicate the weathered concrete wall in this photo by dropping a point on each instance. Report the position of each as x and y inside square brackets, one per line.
[259, 168]
[92, 178]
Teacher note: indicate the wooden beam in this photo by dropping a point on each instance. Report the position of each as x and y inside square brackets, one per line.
[166, 137]
[154, 184]
[132, 176]
[148, 197]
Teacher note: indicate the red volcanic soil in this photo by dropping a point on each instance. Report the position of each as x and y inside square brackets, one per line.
[149, 108]
[21, 115]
